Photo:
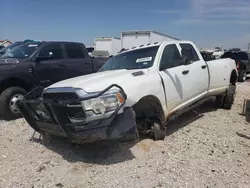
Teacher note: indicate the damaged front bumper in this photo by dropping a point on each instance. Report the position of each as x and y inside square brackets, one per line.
[65, 118]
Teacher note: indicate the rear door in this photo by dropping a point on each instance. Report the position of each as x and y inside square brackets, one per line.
[198, 77]
[77, 60]
[52, 69]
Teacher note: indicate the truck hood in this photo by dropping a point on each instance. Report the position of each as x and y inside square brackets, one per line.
[99, 81]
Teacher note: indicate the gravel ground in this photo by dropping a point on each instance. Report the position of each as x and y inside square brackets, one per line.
[211, 149]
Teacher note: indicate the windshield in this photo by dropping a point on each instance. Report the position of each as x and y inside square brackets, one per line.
[136, 59]
[8, 48]
[23, 51]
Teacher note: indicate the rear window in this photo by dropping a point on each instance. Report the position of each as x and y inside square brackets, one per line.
[74, 51]
[236, 55]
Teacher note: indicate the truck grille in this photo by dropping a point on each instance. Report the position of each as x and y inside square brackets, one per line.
[75, 113]
[60, 96]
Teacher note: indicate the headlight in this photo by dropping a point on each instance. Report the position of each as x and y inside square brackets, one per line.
[103, 104]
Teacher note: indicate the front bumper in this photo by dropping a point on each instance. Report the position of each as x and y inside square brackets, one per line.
[58, 122]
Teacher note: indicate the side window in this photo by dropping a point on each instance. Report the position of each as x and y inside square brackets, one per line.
[74, 51]
[189, 52]
[52, 51]
[170, 57]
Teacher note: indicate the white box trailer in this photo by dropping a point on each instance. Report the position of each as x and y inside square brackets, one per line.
[131, 39]
[110, 44]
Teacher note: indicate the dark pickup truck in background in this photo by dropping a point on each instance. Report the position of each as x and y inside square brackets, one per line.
[40, 64]
[242, 60]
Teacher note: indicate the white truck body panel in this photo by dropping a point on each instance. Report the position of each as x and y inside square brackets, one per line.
[174, 89]
[110, 44]
[131, 39]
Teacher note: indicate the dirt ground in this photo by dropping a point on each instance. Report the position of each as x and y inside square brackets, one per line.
[210, 148]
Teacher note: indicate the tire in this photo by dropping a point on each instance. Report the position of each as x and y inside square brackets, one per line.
[228, 99]
[159, 131]
[248, 117]
[219, 101]
[7, 105]
[242, 76]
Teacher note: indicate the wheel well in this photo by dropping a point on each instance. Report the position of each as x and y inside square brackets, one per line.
[233, 77]
[13, 82]
[149, 107]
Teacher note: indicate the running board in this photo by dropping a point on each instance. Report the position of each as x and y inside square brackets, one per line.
[187, 109]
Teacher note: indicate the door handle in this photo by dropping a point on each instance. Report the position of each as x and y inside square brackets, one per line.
[185, 72]
[204, 66]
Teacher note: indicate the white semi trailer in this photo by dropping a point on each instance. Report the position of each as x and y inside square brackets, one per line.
[110, 44]
[131, 39]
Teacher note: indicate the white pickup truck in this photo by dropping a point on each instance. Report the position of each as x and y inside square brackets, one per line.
[139, 90]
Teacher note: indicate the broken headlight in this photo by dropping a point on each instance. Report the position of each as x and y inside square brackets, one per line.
[104, 104]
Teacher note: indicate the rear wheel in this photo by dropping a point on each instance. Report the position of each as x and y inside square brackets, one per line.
[242, 76]
[226, 100]
[8, 100]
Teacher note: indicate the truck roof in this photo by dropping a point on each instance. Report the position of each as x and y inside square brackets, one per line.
[56, 42]
[158, 44]
[147, 32]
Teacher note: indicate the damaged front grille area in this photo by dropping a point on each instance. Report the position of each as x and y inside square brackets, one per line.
[76, 113]
[73, 111]
[60, 96]
[59, 111]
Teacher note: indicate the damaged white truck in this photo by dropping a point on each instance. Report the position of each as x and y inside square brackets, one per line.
[137, 91]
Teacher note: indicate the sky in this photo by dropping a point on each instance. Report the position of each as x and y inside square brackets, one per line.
[208, 23]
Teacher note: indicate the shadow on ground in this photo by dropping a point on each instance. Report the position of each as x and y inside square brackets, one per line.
[112, 152]
[101, 152]
[190, 117]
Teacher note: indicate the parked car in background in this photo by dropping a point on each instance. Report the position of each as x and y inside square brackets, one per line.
[207, 56]
[218, 53]
[242, 60]
[40, 64]
[138, 90]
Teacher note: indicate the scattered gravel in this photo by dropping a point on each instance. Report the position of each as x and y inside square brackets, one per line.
[210, 148]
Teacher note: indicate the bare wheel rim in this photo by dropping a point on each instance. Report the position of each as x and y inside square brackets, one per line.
[244, 76]
[13, 101]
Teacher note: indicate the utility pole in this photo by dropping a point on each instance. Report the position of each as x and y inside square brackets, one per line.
[248, 49]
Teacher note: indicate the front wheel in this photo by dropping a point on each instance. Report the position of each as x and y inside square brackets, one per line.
[159, 131]
[8, 100]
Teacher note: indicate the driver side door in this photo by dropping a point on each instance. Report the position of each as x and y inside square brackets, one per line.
[52, 69]
[175, 77]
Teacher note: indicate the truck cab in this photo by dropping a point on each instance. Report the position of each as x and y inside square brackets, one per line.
[35, 64]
